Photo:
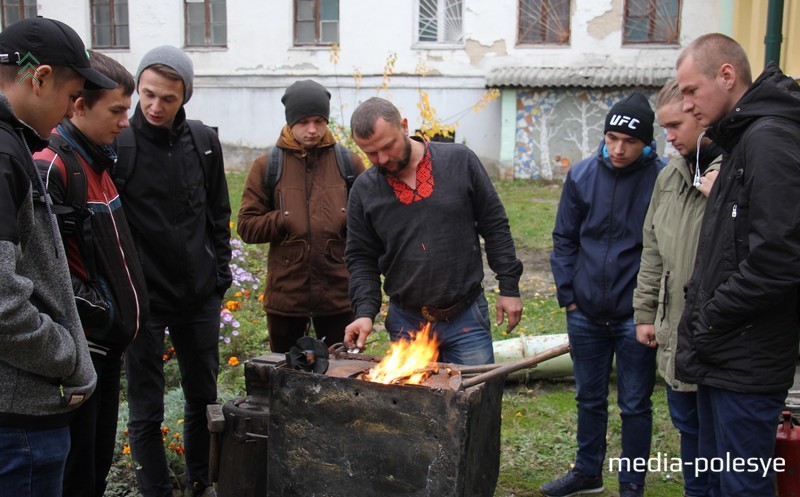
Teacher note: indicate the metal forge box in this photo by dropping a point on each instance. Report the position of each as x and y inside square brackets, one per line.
[334, 434]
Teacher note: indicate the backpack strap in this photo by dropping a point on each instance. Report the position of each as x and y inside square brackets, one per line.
[275, 167]
[202, 145]
[126, 159]
[273, 174]
[73, 216]
[345, 163]
[73, 207]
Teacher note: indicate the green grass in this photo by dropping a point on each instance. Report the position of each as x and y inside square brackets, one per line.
[538, 439]
[531, 208]
[235, 187]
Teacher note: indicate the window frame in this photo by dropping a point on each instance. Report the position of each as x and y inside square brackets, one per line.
[23, 5]
[317, 12]
[653, 21]
[441, 14]
[544, 25]
[207, 24]
[112, 4]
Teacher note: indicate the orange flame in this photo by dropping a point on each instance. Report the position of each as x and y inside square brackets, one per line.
[407, 360]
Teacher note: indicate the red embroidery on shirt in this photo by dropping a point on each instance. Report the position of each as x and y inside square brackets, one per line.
[405, 193]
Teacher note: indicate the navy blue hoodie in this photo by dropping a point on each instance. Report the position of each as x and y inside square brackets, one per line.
[597, 240]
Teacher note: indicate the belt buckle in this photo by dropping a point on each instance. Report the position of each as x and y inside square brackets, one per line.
[425, 311]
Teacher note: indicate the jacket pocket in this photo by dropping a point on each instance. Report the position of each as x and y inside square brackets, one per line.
[334, 249]
[741, 244]
[288, 253]
[728, 348]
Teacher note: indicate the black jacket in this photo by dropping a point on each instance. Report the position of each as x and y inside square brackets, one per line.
[181, 228]
[739, 330]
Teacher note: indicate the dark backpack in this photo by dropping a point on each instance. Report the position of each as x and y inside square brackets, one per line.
[126, 152]
[275, 168]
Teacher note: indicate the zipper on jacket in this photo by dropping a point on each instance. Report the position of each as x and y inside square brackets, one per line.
[306, 176]
[665, 302]
[125, 264]
[605, 280]
[733, 211]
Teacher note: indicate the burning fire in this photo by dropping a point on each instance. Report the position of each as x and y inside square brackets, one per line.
[407, 360]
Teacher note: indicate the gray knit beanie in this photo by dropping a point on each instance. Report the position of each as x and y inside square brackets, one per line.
[171, 57]
[306, 98]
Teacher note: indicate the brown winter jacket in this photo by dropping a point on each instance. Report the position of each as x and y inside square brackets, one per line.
[306, 273]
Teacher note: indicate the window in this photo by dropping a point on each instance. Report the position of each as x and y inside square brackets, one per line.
[440, 21]
[316, 22]
[15, 10]
[651, 21]
[206, 23]
[110, 24]
[543, 22]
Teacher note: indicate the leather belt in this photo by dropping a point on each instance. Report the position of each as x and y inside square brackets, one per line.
[431, 314]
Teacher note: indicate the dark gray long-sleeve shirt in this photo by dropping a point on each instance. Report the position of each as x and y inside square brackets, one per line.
[428, 250]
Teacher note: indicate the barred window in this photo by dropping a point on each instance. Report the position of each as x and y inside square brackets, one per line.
[652, 21]
[543, 22]
[440, 21]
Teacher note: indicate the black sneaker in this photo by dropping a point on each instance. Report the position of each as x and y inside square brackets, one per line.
[631, 490]
[573, 483]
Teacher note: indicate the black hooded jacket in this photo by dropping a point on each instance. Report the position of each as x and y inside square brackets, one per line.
[739, 330]
[180, 219]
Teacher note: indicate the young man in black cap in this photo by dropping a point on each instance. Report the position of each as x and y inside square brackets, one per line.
[303, 218]
[171, 178]
[109, 286]
[45, 368]
[597, 245]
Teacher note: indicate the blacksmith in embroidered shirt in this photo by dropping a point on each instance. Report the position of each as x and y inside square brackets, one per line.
[416, 218]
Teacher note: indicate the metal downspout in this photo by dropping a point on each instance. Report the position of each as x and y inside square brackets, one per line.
[774, 37]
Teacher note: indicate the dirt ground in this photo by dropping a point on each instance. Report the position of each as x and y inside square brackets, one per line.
[536, 281]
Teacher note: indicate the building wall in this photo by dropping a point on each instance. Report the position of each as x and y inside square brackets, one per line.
[750, 28]
[238, 88]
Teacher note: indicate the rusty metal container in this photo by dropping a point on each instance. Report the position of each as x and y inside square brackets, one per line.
[337, 435]
[341, 436]
[243, 449]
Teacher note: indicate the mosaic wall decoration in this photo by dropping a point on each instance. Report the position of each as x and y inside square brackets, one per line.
[558, 127]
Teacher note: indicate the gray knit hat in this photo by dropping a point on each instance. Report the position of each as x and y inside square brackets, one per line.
[172, 57]
[306, 98]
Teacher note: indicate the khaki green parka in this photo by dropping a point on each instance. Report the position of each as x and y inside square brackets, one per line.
[671, 233]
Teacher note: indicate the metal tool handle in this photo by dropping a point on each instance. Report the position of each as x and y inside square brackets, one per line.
[507, 369]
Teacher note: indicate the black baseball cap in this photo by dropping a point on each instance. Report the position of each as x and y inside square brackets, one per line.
[51, 42]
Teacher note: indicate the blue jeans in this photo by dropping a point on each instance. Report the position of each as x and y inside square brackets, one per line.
[683, 411]
[195, 336]
[464, 339]
[593, 349]
[739, 425]
[32, 461]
